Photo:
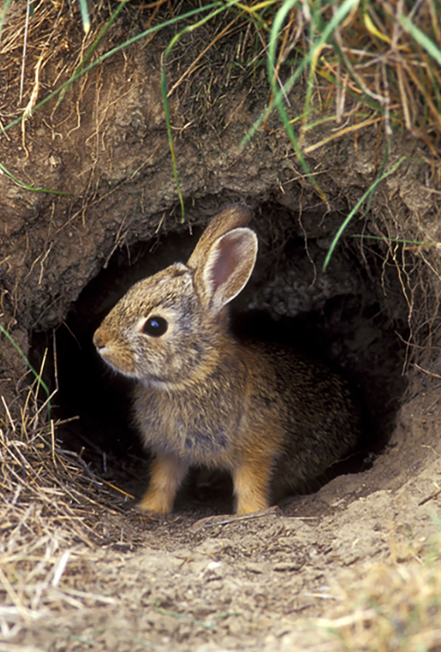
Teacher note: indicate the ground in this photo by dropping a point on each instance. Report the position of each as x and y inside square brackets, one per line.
[80, 568]
[278, 581]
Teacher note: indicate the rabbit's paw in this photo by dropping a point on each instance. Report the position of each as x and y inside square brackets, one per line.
[156, 503]
[167, 473]
[251, 483]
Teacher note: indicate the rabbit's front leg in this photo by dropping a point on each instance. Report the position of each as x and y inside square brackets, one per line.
[251, 481]
[166, 474]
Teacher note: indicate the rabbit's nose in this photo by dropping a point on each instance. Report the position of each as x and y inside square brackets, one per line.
[100, 339]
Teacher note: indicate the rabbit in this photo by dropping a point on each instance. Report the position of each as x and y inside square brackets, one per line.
[271, 418]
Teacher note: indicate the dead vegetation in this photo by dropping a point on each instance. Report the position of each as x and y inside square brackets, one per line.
[396, 604]
[51, 514]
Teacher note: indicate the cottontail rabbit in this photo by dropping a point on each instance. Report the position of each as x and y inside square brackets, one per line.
[265, 414]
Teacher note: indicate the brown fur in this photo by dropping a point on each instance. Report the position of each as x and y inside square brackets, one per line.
[271, 418]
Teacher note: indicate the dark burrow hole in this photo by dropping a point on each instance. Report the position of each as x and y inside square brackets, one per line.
[353, 315]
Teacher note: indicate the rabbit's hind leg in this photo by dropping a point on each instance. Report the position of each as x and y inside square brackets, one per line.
[166, 475]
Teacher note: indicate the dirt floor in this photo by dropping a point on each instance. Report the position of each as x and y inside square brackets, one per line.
[80, 568]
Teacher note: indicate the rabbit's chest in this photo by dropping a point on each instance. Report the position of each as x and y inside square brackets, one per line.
[201, 431]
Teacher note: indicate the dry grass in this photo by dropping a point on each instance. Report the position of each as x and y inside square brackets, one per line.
[394, 605]
[54, 511]
[373, 59]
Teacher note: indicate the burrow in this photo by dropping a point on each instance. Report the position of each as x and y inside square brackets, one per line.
[353, 315]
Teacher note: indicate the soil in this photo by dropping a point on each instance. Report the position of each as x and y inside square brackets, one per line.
[202, 579]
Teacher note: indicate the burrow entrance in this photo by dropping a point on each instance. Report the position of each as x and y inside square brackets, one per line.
[353, 315]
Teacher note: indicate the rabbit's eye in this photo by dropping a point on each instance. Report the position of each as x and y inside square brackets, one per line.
[155, 326]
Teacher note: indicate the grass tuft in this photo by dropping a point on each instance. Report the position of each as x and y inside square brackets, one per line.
[389, 606]
[38, 377]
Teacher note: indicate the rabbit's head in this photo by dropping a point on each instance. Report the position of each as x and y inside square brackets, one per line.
[170, 329]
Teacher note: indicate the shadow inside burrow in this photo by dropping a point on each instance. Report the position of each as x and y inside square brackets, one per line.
[347, 325]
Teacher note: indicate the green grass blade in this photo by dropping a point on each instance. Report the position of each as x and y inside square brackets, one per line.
[279, 103]
[366, 196]
[421, 38]
[3, 13]
[85, 17]
[36, 374]
[311, 57]
[165, 101]
[415, 243]
[32, 188]
[166, 106]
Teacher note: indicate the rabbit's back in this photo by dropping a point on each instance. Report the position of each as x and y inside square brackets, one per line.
[315, 408]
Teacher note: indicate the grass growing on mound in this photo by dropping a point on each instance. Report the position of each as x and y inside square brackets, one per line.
[356, 64]
[385, 56]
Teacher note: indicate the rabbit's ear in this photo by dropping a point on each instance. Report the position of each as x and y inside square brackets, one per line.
[232, 217]
[227, 268]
